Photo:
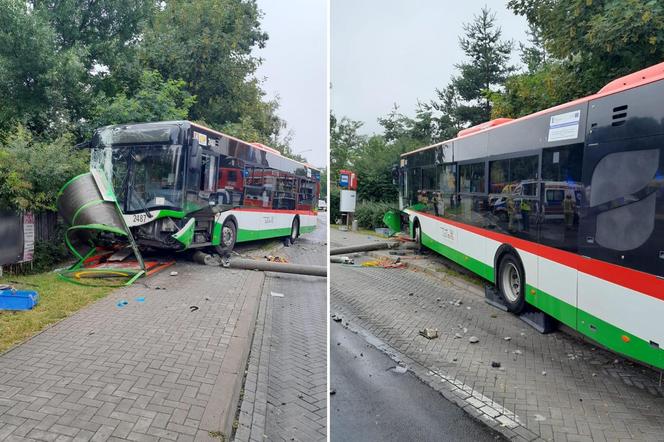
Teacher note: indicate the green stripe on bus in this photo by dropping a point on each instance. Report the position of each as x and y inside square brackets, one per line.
[252, 235]
[472, 264]
[552, 306]
[608, 335]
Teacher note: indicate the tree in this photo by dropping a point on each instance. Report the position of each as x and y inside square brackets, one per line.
[32, 171]
[448, 120]
[155, 100]
[344, 142]
[596, 41]
[486, 68]
[533, 54]
[41, 86]
[209, 44]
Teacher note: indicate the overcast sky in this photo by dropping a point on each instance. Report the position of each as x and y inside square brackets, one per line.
[387, 51]
[295, 69]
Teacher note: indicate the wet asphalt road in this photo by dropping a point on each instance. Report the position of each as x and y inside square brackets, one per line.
[375, 403]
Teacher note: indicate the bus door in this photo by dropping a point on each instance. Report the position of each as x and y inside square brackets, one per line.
[202, 180]
[413, 185]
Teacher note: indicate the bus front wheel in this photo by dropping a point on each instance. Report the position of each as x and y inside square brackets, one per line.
[511, 282]
[228, 237]
[417, 232]
[295, 228]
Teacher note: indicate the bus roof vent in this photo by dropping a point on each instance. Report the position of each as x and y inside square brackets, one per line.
[646, 75]
[482, 126]
[266, 148]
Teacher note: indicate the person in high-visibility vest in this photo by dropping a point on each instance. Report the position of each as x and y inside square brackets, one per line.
[511, 213]
[525, 214]
[568, 211]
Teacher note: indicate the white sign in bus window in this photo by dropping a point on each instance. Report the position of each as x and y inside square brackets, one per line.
[564, 126]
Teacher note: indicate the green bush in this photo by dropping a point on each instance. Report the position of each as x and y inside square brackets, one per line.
[369, 214]
[333, 207]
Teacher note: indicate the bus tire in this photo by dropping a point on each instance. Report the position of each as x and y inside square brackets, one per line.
[228, 238]
[417, 233]
[295, 231]
[511, 282]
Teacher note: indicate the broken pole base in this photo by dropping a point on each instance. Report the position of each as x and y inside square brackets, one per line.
[532, 316]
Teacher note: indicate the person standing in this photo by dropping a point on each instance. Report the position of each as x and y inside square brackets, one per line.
[568, 211]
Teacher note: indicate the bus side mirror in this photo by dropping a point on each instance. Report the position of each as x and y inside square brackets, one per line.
[194, 155]
[395, 175]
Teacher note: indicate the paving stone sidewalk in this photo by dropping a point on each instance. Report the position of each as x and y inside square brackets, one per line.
[285, 393]
[554, 387]
[144, 371]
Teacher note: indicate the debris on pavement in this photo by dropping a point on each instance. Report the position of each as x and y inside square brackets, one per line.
[140, 299]
[495, 364]
[539, 418]
[473, 340]
[385, 263]
[277, 295]
[342, 260]
[401, 369]
[517, 352]
[193, 308]
[121, 303]
[336, 318]
[174, 273]
[543, 373]
[507, 338]
[457, 336]
[333, 392]
[271, 258]
[429, 333]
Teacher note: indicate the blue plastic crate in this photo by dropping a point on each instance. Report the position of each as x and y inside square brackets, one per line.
[18, 299]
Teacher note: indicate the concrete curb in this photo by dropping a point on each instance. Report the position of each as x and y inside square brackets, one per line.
[220, 411]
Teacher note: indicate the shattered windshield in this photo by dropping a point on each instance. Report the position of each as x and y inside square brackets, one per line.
[143, 177]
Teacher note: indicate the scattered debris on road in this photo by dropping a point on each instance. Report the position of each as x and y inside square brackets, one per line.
[336, 318]
[174, 273]
[473, 340]
[507, 338]
[341, 260]
[495, 364]
[429, 333]
[385, 263]
[193, 308]
[271, 258]
[277, 295]
[140, 299]
[121, 303]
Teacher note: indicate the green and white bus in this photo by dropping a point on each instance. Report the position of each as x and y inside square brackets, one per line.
[562, 210]
[180, 185]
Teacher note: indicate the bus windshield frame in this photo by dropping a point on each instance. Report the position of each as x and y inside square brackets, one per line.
[144, 177]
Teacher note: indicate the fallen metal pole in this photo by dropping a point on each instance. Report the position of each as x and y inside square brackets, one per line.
[364, 248]
[248, 264]
[206, 259]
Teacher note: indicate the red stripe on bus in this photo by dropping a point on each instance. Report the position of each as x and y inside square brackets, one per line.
[632, 279]
[296, 212]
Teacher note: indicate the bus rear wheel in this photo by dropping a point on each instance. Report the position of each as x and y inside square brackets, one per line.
[511, 282]
[295, 229]
[228, 238]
